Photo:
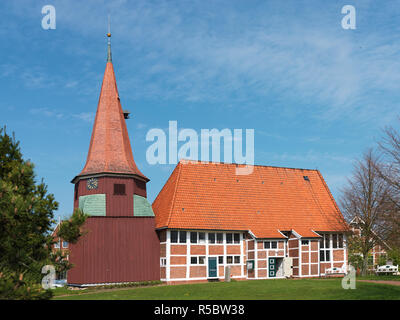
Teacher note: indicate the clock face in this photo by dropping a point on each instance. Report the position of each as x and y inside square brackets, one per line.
[92, 183]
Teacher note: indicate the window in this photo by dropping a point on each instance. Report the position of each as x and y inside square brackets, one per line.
[337, 241]
[325, 251]
[270, 244]
[233, 259]
[65, 244]
[174, 236]
[324, 255]
[340, 241]
[236, 238]
[193, 237]
[229, 238]
[211, 238]
[334, 241]
[221, 259]
[182, 236]
[197, 260]
[327, 255]
[163, 262]
[202, 237]
[220, 238]
[119, 189]
[305, 242]
[57, 245]
[327, 241]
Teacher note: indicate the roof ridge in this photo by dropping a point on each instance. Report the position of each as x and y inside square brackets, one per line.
[327, 189]
[179, 166]
[191, 161]
[315, 198]
[332, 198]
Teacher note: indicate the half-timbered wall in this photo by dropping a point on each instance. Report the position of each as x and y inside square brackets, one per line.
[176, 264]
[186, 261]
[293, 252]
[337, 253]
[309, 257]
[262, 252]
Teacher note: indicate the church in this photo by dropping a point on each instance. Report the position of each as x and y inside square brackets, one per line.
[206, 224]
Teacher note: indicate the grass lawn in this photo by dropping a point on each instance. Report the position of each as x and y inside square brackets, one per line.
[307, 289]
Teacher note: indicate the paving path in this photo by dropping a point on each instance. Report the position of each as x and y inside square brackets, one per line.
[392, 282]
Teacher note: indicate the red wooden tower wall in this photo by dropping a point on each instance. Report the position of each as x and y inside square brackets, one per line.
[124, 249]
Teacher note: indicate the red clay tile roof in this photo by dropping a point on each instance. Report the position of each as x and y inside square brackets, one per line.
[110, 150]
[210, 196]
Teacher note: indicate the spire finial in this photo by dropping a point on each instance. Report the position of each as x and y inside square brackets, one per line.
[109, 41]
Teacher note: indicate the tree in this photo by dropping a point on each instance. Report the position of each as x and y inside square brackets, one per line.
[26, 222]
[26, 217]
[390, 172]
[366, 200]
[69, 230]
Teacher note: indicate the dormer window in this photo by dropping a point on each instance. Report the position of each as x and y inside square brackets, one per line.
[119, 189]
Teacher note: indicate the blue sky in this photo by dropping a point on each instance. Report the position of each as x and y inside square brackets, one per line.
[316, 95]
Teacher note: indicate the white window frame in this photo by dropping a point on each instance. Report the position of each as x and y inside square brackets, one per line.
[233, 259]
[326, 240]
[201, 241]
[197, 237]
[269, 246]
[215, 238]
[198, 260]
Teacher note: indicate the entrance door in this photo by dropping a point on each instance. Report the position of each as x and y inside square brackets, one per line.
[272, 267]
[212, 267]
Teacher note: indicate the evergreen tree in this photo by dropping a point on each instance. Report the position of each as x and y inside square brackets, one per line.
[26, 218]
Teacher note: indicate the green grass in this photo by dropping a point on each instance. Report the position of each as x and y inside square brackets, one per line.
[307, 289]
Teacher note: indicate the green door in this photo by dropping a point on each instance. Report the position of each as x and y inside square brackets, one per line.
[212, 267]
[272, 267]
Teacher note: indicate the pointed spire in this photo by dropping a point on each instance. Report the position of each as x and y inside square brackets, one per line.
[110, 149]
[109, 58]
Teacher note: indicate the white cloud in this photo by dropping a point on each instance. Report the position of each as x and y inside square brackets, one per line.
[198, 53]
[71, 84]
[53, 113]
[85, 116]
[50, 113]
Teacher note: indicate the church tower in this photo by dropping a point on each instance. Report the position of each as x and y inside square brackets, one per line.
[121, 244]
[110, 182]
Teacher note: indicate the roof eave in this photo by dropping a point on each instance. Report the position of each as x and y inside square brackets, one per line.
[113, 174]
